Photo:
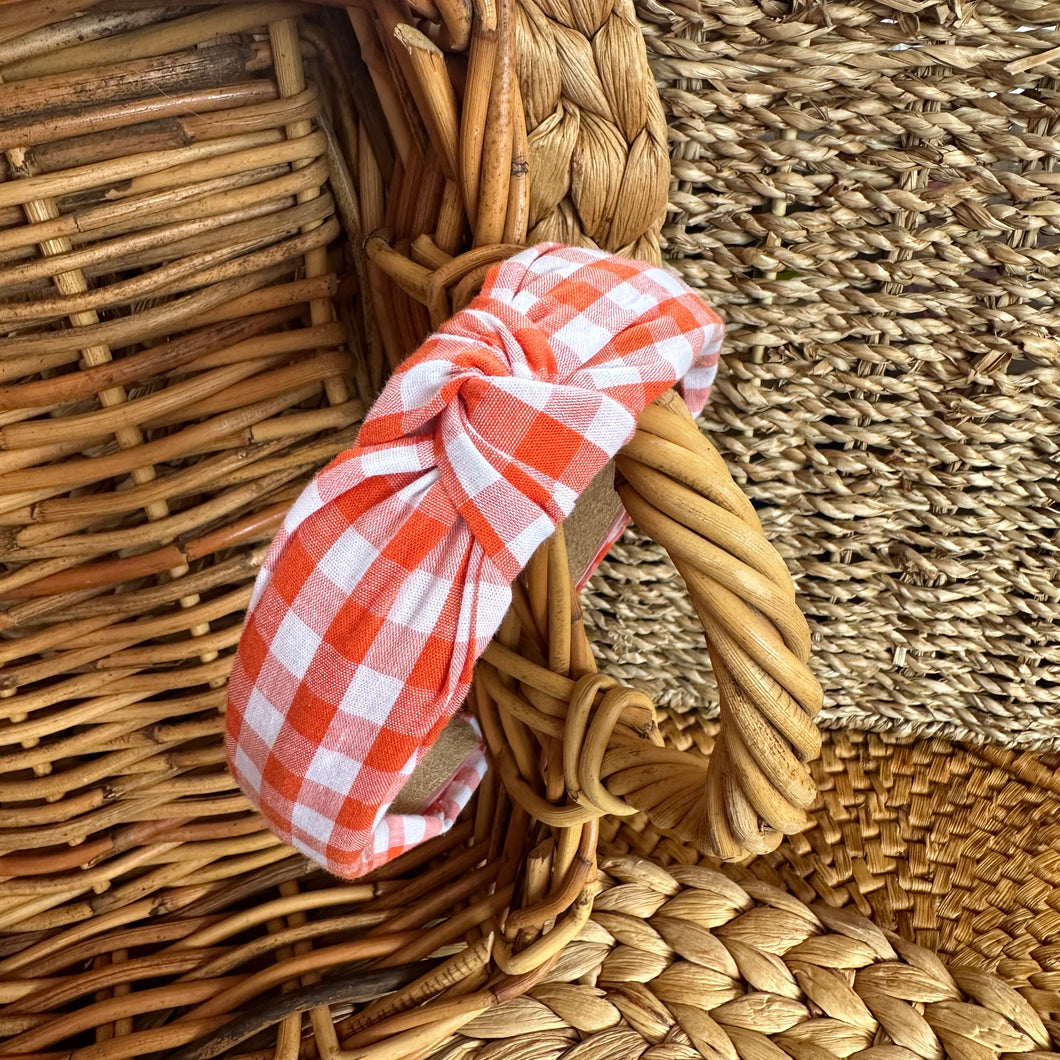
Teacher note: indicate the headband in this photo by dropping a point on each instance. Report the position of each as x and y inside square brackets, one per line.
[393, 569]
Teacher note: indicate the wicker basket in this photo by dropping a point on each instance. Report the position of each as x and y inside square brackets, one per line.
[219, 228]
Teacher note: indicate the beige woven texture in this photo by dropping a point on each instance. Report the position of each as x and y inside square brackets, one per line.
[866, 193]
[143, 910]
[955, 851]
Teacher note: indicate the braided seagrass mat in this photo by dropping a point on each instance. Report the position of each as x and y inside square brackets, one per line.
[867, 192]
[957, 850]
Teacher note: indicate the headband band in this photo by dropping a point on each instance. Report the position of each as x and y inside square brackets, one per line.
[393, 569]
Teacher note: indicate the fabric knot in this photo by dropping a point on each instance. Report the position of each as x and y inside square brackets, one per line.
[393, 569]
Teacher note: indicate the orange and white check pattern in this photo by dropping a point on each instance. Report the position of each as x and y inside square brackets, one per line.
[393, 569]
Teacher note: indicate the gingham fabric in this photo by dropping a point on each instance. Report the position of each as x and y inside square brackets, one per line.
[393, 569]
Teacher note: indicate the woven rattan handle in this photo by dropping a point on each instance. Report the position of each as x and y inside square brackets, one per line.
[573, 745]
[594, 149]
[677, 489]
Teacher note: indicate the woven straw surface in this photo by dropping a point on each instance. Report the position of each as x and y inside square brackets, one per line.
[867, 193]
[682, 958]
[175, 363]
[152, 913]
[953, 848]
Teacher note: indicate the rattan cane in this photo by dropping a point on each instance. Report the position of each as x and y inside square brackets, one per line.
[221, 225]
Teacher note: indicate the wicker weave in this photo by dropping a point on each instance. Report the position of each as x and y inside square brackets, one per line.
[867, 191]
[679, 959]
[144, 910]
[953, 848]
[219, 222]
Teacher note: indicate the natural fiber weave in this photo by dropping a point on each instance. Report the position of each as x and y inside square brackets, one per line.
[695, 965]
[152, 913]
[866, 191]
[953, 849]
[176, 364]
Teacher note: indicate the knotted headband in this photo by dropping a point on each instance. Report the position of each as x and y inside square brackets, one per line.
[393, 569]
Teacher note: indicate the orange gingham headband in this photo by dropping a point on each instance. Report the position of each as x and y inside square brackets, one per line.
[393, 569]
